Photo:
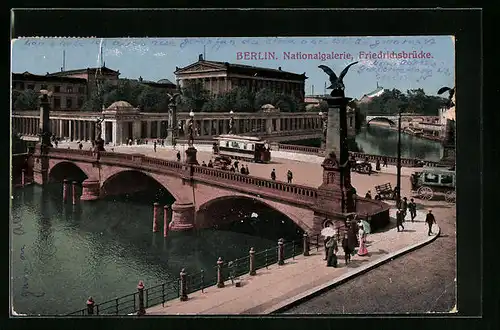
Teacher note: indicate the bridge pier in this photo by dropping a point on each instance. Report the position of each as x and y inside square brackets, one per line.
[41, 165]
[90, 190]
[183, 215]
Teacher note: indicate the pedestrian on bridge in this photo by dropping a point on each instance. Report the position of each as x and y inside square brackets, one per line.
[404, 208]
[399, 220]
[430, 219]
[154, 146]
[289, 176]
[273, 174]
[210, 164]
[203, 164]
[385, 161]
[368, 195]
[80, 145]
[178, 156]
[247, 171]
[412, 207]
[346, 247]
[332, 249]
[377, 165]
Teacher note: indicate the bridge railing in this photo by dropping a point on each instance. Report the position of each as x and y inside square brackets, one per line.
[298, 191]
[198, 281]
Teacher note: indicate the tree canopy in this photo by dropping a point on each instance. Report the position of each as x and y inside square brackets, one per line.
[148, 99]
[413, 101]
[25, 100]
[194, 97]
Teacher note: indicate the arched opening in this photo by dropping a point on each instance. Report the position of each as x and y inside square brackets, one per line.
[136, 186]
[247, 216]
[67, 170]
[382, 120]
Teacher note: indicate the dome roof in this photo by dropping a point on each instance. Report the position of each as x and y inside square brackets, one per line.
[267, 106]
[165, 81]
[120, 105]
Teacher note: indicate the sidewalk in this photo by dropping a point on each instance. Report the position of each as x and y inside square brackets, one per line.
[279, 286]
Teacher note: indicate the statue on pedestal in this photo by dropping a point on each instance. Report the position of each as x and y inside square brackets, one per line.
[190, 132]
[337, 83]
[44, 128]
[99, 142]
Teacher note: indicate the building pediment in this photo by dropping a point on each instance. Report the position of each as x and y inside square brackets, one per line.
[200, 66]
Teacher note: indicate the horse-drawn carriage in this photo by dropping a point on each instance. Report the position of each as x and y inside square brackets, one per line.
[434, 181]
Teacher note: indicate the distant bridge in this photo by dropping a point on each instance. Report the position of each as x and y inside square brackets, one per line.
[405, 118]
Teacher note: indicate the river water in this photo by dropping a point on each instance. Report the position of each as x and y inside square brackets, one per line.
[379, 140]
[62, 254]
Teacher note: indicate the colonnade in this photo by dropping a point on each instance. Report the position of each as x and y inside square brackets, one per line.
[118, 130]
[71, 129]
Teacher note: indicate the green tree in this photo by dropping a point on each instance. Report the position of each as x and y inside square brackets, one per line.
[25, 100]
[194, 97]
[153, 100]
[264, 96]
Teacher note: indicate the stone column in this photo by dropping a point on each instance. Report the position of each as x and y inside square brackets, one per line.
[70, 130]
[148, 129]
[183, 216]
[115, 133]
[158, 129]
[60, 132]
[269, 125]
[136, 129]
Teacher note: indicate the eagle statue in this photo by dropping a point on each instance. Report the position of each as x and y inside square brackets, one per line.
[337, 83]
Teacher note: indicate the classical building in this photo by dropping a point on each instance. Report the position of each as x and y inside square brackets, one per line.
[93, 76]
[221, 77]
[68, 93]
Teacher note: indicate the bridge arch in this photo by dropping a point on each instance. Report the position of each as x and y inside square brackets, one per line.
[131, 181]
[225, 209]
[382, 119]
[67, 170]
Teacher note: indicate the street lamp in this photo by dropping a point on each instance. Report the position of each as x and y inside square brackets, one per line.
[398, 178]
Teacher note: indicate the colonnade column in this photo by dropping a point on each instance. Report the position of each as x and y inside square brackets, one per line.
[148, 129]
[60, 132]
[70, 130]
[158, 129]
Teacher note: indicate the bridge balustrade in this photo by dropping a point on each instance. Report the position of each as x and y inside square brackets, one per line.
[302, 192]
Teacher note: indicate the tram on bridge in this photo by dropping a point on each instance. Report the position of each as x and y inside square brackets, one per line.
[243, 147]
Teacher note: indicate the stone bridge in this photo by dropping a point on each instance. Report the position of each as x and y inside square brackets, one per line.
[199, 192]
[405, 118]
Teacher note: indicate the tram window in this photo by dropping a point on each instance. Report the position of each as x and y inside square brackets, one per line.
[252, 146]
[446, 179]
[227, 144]
[431, 178]
[245, 146]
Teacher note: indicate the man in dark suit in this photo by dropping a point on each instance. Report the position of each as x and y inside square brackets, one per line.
[399, 220]
[430, 219]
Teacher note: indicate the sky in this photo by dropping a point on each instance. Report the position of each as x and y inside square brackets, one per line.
[156, 58]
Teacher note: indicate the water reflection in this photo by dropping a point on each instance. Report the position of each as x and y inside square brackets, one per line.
[384, 141]
[103, 248]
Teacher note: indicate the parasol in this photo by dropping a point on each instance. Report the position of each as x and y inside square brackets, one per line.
[254, 215]
[366, 226]
[328, 232]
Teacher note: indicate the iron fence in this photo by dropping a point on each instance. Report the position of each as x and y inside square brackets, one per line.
[230, 271]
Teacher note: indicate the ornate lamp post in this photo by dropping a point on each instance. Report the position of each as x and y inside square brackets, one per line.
[44, 127]
[231, 122]
[398, 165]
[172, 118]
[191, 150]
